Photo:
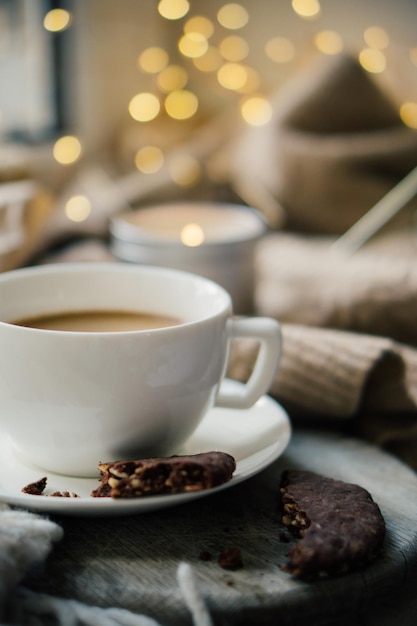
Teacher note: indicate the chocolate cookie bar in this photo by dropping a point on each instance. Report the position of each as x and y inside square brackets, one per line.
[175, 474]
[340, 526]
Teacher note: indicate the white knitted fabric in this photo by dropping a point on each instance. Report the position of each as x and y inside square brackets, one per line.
[26, 539]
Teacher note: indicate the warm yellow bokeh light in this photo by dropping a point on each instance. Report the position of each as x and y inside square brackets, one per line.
[210, 61]
[57, 20]
[181, 104]
[199, 24]
[192, 235]
[149, 159]
[234, 48]
[408, 114]
[280, 50]
[329, 42]
[173, 9]
[252, 82]
[376, 37]
[67, 150]
[256, 111]
[372, 60]
[185, 170]
[306, 8]
[232, 76]
[153, 60]
[144, 107]
[78, 208]
[193, 45]
[413, 56]
[233, 16]
[172, 78]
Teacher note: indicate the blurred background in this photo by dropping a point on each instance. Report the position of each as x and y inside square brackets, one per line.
[107, 105]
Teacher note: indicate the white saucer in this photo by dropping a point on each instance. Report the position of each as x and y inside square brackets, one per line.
[255, 437]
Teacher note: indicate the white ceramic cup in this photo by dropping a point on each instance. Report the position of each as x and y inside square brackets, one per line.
[69, 400]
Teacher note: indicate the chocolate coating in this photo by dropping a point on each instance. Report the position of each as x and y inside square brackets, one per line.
[340, 526]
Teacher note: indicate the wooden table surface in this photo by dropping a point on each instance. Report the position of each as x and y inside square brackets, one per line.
[131, 561]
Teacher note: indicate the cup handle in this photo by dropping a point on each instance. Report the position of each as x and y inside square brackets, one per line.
[268, 332]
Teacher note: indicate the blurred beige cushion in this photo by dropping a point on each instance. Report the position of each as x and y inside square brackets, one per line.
[334, 147]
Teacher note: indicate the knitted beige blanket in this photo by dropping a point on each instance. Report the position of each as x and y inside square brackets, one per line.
[335, 145]
[350, 334]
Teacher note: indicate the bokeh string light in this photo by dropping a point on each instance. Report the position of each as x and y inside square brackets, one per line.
[67, 150]
[329, 42]
[181, 104]
[172, 78]
[376, 37]
[280, 49]
[408, 114]
[57, 20]
[193, 45]
[185, 170]
[213, 51]
[199, 24]
[210, 61]
[233, 16]
[153, 60]
[372, 60]
[256, 111]
[234, 48]
[144, 107]
[308, 9]
[173, 9]
[149, 159]
[232, 76]
[78, 208]
[192, 235]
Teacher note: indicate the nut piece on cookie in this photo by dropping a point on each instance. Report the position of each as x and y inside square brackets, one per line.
[340, 526]
[164, 475]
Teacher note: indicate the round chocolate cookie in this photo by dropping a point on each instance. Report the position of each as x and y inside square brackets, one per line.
[340, 526]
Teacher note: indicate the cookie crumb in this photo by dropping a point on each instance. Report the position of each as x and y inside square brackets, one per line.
[64, 494]
[36, 488]
[231, 558]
